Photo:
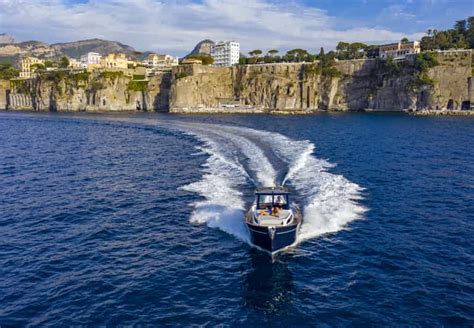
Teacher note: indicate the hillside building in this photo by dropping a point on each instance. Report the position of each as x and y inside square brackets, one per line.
[226, 53]
[75, 64]
[114, 61]
[399, 50]
[91, 58]
[191, 61]
[160, 61]
[27, 68]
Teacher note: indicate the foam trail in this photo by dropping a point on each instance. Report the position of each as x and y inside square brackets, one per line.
[329, 201]
[223, 206]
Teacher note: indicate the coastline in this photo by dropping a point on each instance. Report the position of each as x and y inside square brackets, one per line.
[223, 111]
[443, 113]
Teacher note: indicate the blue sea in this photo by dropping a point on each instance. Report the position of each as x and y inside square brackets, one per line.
[137, 220]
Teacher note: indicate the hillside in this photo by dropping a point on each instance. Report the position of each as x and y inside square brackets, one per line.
[202, 48]
[10, 52]
[6, 38]
[77, 48]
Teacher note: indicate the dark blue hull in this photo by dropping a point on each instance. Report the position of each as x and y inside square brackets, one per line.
[273, 239]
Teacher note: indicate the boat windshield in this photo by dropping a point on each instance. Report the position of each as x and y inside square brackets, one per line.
[266, 201]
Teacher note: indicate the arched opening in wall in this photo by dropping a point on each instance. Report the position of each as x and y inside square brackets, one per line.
[466, 105]
[450, 105]
[104, 102]
[308, 97]
[7, 102]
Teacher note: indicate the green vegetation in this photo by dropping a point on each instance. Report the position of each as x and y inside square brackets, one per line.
[95, 86]
[416, 69]
[138, 77]
[324, 67]
[21, 86]
[206, 60]
[82, 77]
[461, 36]
[138, 85]
[8, 72]
[180, 75]
[292, 56]
[64, 62]
[55, 76]
[111, 75]
[37, 67]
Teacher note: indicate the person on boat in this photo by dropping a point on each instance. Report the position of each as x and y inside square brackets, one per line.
[276, 210]
[265, 210]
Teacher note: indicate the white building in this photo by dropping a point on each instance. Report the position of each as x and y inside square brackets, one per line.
[160, 61]
[91, 58]
[399, 50]
[226, 53]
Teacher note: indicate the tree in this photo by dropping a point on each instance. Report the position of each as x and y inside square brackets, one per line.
[298, 54]
[35, 67]
[460, 26]
[273, 52]
[404, 40]
[8, 72]
[255, 53]
[64, 62]
[321, 53]
[48, 63]
[470, 32]
[350, 50]
[206, 59]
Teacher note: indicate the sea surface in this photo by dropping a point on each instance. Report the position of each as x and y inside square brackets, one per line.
[137, 219]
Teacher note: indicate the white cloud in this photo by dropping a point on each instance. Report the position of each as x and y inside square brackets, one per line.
[176, 26]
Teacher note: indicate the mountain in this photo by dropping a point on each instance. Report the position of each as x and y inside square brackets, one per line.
[6, 39]
[77, 48]
[11, 52]
[202, 48]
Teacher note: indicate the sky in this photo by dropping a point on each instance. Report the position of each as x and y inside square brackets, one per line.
[176, 26]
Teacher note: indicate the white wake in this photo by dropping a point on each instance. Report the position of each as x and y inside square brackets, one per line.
[330, 200]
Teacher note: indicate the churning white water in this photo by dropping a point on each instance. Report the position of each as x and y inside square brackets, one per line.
[330, 200]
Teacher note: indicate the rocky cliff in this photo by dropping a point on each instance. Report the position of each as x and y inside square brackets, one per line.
[100, 91]
[349, 85]
[298, 87]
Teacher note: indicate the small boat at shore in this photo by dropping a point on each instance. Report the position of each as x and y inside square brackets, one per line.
[273, 222]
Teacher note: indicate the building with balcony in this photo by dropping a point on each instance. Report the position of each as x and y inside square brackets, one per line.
[27, 66]
[160, 61]
[399, 50]
[226, 53]
[91, 58]
[114, 61]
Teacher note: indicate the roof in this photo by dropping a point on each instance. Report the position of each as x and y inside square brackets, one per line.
[273, 190]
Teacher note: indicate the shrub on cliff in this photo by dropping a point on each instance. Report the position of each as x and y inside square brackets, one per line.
[206, 60]
[8, 72]
[138, 85]
[111, 75]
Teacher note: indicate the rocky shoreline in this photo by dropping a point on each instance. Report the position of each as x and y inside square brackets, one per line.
[281, 89]
[443, 113]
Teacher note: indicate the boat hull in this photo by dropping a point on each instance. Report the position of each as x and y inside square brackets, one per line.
[273, 239]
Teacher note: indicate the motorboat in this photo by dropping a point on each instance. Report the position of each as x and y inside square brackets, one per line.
[273, 222]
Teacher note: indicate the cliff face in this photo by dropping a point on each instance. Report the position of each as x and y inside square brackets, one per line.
[299, 87]
[353, 85]
[95, 92]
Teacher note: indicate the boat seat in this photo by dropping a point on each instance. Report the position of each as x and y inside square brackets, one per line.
[269, 220]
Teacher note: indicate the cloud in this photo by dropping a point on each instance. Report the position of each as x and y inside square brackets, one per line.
[176, 26]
